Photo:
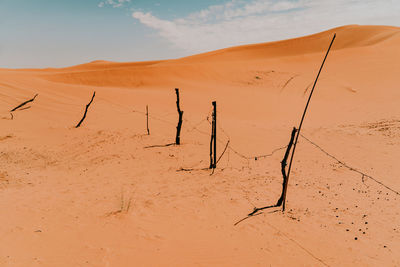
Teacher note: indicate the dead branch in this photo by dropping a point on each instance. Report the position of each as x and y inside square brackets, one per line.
[308, 86]
[288, 81]
[251, 215]
[192, 169]
[212, 172]
[86, 109]
[171, 144]
[24, 103]
[245, 218]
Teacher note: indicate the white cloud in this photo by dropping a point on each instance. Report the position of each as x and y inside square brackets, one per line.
[242, 22]
[113, 3]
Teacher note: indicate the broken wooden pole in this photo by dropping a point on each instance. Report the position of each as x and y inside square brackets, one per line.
[180, 113]
[86, 109]
[147, 119]
[285, 180]
[24, 103]
[302, 119]
[283, 168]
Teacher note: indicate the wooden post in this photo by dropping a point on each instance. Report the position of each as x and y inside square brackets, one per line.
[213, 143]
[180, 113]
[147, 119]
[215, 133]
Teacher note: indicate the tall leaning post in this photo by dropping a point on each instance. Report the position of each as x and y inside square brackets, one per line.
[180, 113]
[301, 122]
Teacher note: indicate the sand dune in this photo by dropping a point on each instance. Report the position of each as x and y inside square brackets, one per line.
[159, 73]
[94, 196]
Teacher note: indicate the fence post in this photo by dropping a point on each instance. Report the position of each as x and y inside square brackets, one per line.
[213, 143]
[215, 134]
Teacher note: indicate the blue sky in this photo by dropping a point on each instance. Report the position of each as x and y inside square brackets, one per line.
[56, 33]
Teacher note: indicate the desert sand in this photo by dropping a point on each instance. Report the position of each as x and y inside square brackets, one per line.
[95, 196]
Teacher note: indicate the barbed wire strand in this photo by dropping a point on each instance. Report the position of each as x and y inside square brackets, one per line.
[344, 164]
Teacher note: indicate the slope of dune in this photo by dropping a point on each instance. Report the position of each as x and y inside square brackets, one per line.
[215, 66]
[99, 196]
[353, 36]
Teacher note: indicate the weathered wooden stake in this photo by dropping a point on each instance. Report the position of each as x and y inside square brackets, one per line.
[213, 143]
[180, 112]
[147, 119]
[86, 109]
[285, 180]
[215, 133]
[283, 168]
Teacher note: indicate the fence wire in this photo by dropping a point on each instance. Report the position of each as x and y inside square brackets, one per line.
[344, 164]
[229, 147]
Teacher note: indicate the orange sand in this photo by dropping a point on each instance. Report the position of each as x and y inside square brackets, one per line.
[95, 197]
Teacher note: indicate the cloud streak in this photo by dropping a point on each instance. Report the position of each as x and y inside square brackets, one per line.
[241, 22]
[113, 3]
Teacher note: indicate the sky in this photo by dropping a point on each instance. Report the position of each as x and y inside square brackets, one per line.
[59, 33]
